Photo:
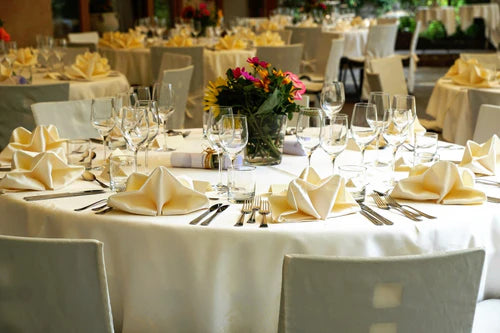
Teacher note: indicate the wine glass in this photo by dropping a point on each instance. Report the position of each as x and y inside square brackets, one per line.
[135, 128]
[102, 116]
[60, 49]
[47, 44]
[164, 95]
[143, 93]
[332, 98]
[154, 121]
[233, 135]
[11, 52]
[382, 101]
[396, 128]
[406, 102]
[3, 51]
[309, 126]
[196, 28]
[213, 138]
[364, 125]
[334, 136]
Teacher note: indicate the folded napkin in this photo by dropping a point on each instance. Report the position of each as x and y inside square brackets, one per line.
[5, 73]
[39, 171]
[229, 43]
[444, 182]
[307, 23]
[244, 33]
[43, 138]
[25, 57]
[180, 41]
[268, 38]
[89, 66]
[471, 73]
[310, 198]
[204, 160]
[159, 194]
[292, 147]
[342, 26]
[483, 158]
[126, 40]
[268, 25]
[402, 165]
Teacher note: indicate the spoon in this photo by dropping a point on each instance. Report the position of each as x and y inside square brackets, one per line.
[89, 176]
[211, 209]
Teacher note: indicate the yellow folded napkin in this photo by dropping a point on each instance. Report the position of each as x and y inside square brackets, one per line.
[310, 198]
[444, 182]
[179, 41]
[43, 138]
[39, 171]
[357, 21]
[471, 73]
[268, 38]
[25, 57]
[5, 73]
[159, 194]
[269, 26]
[307, 23]
[483, 158]
[230, 42]
[126, 40]
[89, 66]
[402, 165]
[342, 26]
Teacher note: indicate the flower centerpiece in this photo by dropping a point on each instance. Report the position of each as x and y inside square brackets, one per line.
[316, 8]
[200, 15]
[3, 33]
[266, 96]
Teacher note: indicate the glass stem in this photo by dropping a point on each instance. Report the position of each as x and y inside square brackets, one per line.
[220, 158]
[135, 159]
[165, 148]
[146, 166]
[333, 163]
[104, 146]
[309, 154]
[363, 155]
[230, 173]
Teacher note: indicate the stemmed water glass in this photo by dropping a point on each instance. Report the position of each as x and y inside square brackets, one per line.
[143, 93]
[406, 102]
[11, 52]
[135, 128]
[196, 28]
[397, 121]
[309, 126]
[332, 98]
[154, 121]
[45, 44]
[164, 95]
[60, 49]
[233, 136]
[382, 101]
[102, 116]
[364, 127]
[334, 136]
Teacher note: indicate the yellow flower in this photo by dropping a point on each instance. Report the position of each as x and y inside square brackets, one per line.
[211, 93]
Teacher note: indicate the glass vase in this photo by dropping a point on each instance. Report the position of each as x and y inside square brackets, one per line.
[266, 134]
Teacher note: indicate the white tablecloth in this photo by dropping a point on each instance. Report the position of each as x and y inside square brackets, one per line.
[449, 105]
[134, 63]
[489, 12]
[168, 276]
[218, 62]
[444, 14]
[354, 41]
[102, 87]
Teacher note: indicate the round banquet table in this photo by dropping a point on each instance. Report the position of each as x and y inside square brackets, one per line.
[165, 275]
[449, 105]
[135, 64]
[444, 14]
[83, 89]
[219, 61]
[354, 42]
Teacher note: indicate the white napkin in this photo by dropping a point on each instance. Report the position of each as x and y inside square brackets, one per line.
[159, 194]
[471, 73]
[268, 38]
[444, 182]
[5, 73]
[89, 66]
[180, 41]
[310, 198]
[39, 171]
[200, 160]
[292, 147]
[43, 138]
[229, 42]
[25, 57]
[483, 158]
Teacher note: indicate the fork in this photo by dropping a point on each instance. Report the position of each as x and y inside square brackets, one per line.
[379, 202]
[255, 208]
[493, 200]
[391, 201]
[264, 210]
[382, 204]
[92, 204]
[245, 209]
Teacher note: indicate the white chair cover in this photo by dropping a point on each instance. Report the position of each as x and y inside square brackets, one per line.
[86, 38]
[286, 57]
[180, 78]
[333, 62]
[487, 318]
[307, 36]
[72, 118]
[391, 74]
[488, 123]
[15, 105]
[413, 57]
[286, 35]
[161, 61]
[433, 293]
[53, 285]
[468, 120]
[304, 102]
[71, 53]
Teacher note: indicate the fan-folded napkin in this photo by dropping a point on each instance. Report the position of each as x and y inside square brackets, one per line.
[5, 73]
[471, 73]
[444, 182]
[311, 198]
[180, 41]
[42, 139]
[25, 57]
[230, 42]
[126, 40]
[89, 66]
[269, 25]
[483, 158]
[292, 147]
[159, 194]
[39, 171]
[268, 38]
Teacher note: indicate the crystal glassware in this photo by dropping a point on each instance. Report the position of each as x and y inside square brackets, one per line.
[334, 136]
[309, 126]
[364, 126]
[102, 116]
[164, 95]
[233, 136]
[135, 128]
[154, 122]
[332, 98]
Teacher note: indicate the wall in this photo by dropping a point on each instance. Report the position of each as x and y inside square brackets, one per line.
[24, 19]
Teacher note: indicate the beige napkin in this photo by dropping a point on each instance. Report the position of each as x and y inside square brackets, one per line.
[471, 73]
[89, 66]
[39, 171]
[483, 158]
[179, 41]
[268, 38]
[42, 139]
[269, 26]
[118, 40]
[159, 194]
[444, 182]
[25, 57]
[401, 165]
[307, 23]
[342, 26]
[229, 43]
[5, 73]
[310, 198]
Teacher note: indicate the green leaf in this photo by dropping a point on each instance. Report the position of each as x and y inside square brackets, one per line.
[270, 103]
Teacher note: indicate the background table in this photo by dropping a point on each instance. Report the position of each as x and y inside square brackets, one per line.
[354, 41]
[489, 12]
[218, 62]
[168, 276]
[446, 15]
[135, 64]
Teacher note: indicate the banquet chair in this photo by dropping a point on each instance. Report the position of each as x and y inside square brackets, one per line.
[286, 35]
[309, 37]
[71, 53]
[53, 285]
[72, 118]
[478, 97]
[488, 123]
[285, 57]
[432, 293]
[15, 106]
[391, 76]
[387, 20]
[412, 57]
[163, 61]
[90, 38]
[180, 79]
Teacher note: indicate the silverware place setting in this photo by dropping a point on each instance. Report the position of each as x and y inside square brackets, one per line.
[387, 202]
[245, 209]
[217, 212]
[208, 211]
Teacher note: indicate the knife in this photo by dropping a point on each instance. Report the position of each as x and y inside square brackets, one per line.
[208, 220]
[211, 209]
[376, 215]
[62, 195]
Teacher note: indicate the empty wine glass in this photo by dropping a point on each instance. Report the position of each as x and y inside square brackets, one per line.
[382, 101]
[406, 102]
[233, 136]
[3, 51]
[364, 125]
[309, 126]
[102, 116]
[334, 136]
[396, 129]
[45, 46]
[196, 28]
[164, 95]
[11, 52]
[143, 93]
[60, 48]
[135, 128]
[332, 98]
[154, 121]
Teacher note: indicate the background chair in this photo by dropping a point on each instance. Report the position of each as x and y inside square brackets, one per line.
[286, 36]
[468, 122]
[286, 57]
[412, 57]
[163, 61]
[488, 123]
[180, 79]
[53, 285]
[309, 37]
[72, 118]
[71, 53]
[87, 39]
[15, 107]
[391, 76]
[433, 293]
[486, 318]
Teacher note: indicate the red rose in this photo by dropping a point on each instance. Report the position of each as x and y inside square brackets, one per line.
[4, 35]
[203, 6]
[188, 12]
